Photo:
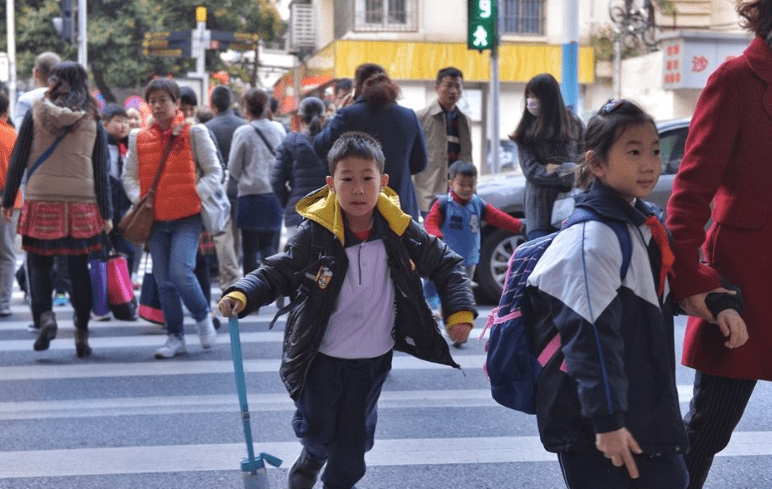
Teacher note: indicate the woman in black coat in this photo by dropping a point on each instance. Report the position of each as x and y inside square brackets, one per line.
[298, 170]
[377, 113]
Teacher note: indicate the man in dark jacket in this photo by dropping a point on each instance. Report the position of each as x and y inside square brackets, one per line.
[222, 125]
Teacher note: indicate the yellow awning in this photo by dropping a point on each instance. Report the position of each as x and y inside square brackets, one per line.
[408, 60]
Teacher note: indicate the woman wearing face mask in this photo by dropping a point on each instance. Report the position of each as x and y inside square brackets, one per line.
[548, 138]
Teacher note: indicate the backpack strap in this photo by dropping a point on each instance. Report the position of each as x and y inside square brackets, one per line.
[583, 214]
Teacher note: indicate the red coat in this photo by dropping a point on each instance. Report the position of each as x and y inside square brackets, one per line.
[728, 161]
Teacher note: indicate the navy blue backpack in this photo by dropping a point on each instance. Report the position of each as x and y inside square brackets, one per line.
[512, 368]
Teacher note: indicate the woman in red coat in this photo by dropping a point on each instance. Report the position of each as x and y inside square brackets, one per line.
[727, 163]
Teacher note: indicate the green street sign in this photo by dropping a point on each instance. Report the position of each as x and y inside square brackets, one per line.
[481, 29]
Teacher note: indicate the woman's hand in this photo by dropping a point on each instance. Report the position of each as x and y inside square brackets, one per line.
[8, 213]
[619, 446]
[229, 306]
[552, 168]
[108, 226]
[733, 327]
[694, 305]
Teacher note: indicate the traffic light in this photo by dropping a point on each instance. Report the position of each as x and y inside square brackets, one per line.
[65, 25]
[482, 33]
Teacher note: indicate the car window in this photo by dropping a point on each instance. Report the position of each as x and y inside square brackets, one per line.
[671, 145]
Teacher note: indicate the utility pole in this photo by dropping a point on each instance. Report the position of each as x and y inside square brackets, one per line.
[570, 84]
[82, 35]
[10, 17]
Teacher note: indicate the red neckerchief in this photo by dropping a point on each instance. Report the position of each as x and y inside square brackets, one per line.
[659, 234]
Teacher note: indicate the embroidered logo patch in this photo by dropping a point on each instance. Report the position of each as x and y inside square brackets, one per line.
[323, 277]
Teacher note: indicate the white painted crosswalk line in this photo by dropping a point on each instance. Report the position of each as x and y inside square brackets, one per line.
[403, 452]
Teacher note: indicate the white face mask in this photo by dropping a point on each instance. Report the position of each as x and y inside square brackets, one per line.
[533, 106]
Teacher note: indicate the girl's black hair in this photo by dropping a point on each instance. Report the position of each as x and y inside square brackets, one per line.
[69, 88]
[552, 123]
[604, 129]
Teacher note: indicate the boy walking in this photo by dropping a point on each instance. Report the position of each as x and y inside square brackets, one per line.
[354, 268]
[456, 219]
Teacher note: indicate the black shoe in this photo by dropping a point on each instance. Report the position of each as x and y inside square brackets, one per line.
[81, 343]
[47, 331]
[304, 472]
[216, 322]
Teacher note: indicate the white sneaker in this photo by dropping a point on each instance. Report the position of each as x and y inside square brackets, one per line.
[206, 332]
[175, 345]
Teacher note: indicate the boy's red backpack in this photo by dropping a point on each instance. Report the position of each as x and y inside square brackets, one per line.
[511, 366]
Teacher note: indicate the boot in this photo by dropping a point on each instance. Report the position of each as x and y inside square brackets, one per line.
[304, 472]
[81, 343]
[47, 331]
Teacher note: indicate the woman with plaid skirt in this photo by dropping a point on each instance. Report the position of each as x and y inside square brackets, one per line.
[62, 147]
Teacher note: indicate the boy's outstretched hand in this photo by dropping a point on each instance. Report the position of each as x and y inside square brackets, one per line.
[229, 307]
[459, 332]
[619, 446]
[733, 327]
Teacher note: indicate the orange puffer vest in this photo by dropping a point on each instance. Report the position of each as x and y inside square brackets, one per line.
[176, 196]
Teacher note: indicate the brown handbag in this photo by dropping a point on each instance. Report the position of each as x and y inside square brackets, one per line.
[137, 224]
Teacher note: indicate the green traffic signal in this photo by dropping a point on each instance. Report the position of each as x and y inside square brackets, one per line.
[481, 29]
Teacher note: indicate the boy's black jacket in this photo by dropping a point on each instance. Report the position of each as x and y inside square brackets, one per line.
[313, 268]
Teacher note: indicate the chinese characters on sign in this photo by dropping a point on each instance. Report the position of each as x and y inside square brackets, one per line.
[688, 61]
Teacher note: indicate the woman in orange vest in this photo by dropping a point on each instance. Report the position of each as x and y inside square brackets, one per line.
[177, 207]
[62, 147]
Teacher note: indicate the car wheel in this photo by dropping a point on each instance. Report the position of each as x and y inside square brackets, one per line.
[496, 249]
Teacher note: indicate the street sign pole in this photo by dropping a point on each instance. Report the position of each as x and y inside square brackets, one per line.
[10, 18]
[482, 34]
[82, 35]
[570, 85]
[199, 42]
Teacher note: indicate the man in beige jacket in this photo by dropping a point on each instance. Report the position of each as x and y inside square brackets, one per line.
[448, 137]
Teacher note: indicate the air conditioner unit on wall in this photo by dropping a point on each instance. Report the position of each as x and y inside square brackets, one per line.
[302, 27]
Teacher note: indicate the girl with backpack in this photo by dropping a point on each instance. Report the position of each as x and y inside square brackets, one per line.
[607, 402]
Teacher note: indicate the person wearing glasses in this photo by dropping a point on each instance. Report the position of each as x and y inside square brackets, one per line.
[548, 139]
[448, 134]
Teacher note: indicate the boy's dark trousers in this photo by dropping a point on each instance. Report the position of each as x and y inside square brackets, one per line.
[592, 470]
[337, 413]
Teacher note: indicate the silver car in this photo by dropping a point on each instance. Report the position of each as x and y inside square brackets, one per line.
[507, 192]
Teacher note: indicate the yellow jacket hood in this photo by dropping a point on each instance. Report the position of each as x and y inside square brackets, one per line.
[322, 207]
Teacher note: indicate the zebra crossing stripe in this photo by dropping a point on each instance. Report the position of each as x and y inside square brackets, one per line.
[216, 457]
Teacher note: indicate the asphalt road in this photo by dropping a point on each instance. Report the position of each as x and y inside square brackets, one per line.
[121, 419]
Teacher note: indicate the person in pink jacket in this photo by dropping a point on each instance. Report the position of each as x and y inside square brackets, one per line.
[726, 176]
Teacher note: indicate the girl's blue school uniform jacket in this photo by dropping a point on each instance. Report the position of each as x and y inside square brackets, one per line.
[616, 365]
[313, 268]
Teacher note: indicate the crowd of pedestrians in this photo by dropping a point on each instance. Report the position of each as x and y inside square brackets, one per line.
[382, 225]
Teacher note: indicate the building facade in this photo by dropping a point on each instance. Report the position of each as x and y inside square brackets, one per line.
[412, 39]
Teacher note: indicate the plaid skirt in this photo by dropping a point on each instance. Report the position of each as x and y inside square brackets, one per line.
[60, 228]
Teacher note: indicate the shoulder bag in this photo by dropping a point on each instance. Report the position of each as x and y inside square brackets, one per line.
[137, 224]
[215, 208]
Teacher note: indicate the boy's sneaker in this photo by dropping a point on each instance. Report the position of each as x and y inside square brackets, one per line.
[97, 317]
[206, 332]
[60, 300]
[175, 345]
[304, 472]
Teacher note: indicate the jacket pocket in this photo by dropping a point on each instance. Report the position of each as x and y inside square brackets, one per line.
[740, 212]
